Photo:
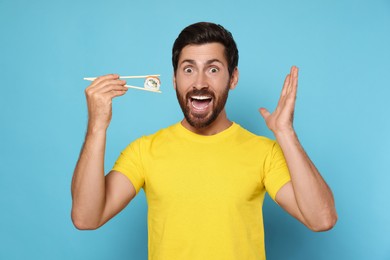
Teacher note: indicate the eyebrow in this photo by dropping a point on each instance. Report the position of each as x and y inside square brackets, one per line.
[207, 62]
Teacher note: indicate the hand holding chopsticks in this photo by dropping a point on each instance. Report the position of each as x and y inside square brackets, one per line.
[152, 82]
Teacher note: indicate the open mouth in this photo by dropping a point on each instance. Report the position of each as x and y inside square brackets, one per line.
[200, 103]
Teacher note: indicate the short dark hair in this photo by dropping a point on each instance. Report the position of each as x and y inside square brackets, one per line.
[205, 32]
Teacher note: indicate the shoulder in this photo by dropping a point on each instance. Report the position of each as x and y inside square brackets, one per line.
[245, 135]
[164, 135]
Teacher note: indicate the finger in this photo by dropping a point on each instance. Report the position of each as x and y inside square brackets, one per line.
[115, 93]
[294, 83]
[112, 87]
[292, 69]
[110, 82]
[285, 85]
[100, 79]
[264, 113]
[103, 85]
[284, 92]
[294, 79]
[291, 98]
[288, 87]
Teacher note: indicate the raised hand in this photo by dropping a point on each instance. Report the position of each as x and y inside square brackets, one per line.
[307, 197]
[281, 119]
[99, 99]
[90, 194]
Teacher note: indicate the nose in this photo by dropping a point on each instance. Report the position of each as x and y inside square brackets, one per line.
[200, 81]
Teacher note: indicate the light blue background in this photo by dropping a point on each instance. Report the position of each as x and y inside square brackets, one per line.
[342, 113]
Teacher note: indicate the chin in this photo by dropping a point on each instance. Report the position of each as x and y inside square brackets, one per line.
[200, 124]
[193, 102]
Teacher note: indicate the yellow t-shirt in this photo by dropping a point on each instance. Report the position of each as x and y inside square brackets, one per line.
[205, 193]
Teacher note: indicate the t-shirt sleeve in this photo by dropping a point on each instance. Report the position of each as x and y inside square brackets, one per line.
[129, 163]
[276, 172]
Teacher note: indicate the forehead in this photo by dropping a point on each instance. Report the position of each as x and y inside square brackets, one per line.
[203, 53]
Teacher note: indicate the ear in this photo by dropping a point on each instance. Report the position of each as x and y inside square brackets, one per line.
[234, 79]
[174, 81]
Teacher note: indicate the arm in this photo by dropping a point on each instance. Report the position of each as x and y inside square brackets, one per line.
[307, 197]
[97, 198]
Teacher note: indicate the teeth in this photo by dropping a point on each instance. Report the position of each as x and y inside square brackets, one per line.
[200, 97]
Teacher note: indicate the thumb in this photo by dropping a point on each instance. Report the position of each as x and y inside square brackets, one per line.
[264, 113]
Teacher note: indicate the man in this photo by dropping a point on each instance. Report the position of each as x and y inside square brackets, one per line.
[205, 177]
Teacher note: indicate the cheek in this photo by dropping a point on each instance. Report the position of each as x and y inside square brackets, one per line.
[178, 81]
[182, 84]
[222, 85]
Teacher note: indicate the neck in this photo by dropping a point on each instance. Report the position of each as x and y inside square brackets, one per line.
[220, 124]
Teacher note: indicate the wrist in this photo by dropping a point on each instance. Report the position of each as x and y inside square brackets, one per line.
[287, 133]
[96, 127]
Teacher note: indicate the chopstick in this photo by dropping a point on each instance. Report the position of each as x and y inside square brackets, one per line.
[132, 77]
[146, 89]
[127, 77]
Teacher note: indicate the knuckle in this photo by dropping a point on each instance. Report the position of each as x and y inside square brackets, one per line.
[100, 77]
[87, 91]
[107, 76]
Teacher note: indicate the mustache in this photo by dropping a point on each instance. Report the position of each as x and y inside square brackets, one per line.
[200, 92]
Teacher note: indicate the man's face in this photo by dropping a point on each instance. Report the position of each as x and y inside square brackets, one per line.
[202, 83]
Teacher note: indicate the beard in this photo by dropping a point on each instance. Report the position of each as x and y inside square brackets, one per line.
[202, 120]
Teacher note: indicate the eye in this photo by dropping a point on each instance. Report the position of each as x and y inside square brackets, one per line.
[188, 70]
[213, 70]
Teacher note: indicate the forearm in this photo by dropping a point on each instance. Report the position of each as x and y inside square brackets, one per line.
[313, 196]
[88, 183]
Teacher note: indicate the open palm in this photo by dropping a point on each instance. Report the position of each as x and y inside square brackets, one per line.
[282, 118]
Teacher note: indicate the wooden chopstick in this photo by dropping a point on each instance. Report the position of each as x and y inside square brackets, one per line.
[126, 77]
[138, 77]
[134, 77]
[146, 89]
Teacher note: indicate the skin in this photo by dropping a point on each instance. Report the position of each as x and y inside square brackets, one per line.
[307, 197]
[205, 67]
[97, 198]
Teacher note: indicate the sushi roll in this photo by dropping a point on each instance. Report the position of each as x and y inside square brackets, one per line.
[152, 83]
